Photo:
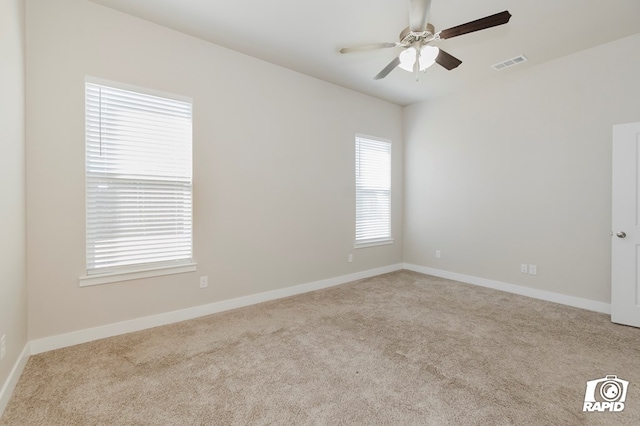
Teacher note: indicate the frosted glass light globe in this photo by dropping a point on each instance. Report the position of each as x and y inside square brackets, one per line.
[428, 55]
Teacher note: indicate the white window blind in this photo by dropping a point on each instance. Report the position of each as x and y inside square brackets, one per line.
[373, 191]
[138, 180]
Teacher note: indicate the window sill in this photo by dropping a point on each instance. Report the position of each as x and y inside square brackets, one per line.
[90, 280]
[373, 243]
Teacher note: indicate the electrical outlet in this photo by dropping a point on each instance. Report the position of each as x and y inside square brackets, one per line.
[533, 269]
[350, 257]
[438, 254]
[204, 282]
[524, 268]
[3, 346]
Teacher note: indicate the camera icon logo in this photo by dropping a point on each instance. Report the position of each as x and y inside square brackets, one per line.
[606, 394]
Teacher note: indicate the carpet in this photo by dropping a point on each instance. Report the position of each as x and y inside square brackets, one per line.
[397, 349]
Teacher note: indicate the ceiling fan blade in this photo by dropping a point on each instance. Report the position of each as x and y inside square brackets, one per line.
[386, 70]
[477, 25]
[366, 47]
[418, 14]
[447, 61]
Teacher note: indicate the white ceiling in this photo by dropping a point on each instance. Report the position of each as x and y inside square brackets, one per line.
[305, 35]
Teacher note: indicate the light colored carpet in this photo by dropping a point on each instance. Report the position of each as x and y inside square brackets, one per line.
[397, 349]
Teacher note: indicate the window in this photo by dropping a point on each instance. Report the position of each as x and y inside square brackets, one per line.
[138, 182]
[373, 192]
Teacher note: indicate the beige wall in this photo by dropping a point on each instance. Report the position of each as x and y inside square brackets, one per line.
[273, 167]
[13, 284]
[519, 171]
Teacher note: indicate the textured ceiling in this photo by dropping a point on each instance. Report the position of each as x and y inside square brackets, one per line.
[305, 36]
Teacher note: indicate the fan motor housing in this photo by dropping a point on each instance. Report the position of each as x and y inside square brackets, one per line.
[409, 37]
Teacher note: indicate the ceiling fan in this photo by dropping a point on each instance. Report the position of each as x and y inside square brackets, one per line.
[418, 54]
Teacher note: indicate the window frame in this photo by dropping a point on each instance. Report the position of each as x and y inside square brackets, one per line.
[373, 242]
[138, 270]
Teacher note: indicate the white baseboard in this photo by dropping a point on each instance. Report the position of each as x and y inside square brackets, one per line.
[87, 335]
[14, 376]
[549, 296]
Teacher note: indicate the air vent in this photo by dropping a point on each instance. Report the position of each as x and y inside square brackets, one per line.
[509, 63]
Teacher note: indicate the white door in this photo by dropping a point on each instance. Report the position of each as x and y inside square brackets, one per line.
[625, 244]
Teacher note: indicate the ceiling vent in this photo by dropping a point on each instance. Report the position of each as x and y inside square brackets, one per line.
[509, 63]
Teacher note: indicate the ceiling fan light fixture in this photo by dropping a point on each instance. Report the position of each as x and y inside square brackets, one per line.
[428, 55]
[408, 58]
